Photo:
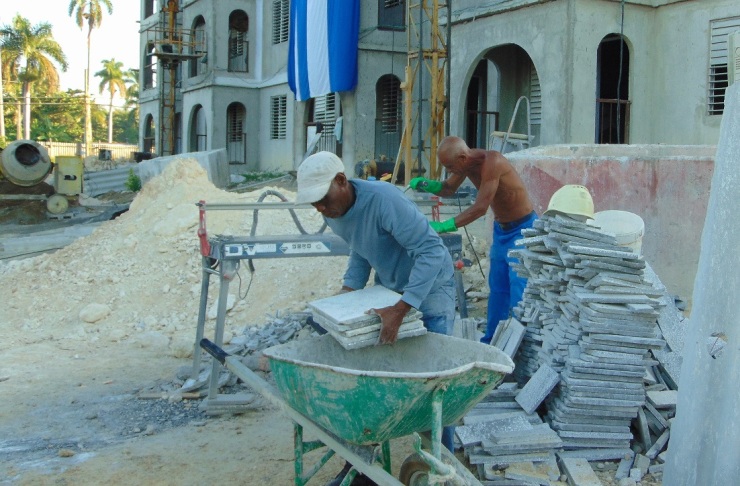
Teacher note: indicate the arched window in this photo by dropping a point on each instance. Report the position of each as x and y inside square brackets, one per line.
[198, 133]
[236, 138]
[238, 43]
[149, 135]
[199, 64]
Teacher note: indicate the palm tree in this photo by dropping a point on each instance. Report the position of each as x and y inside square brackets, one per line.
[90, 12]
[28, 52]
[112, 78]
[131, 78]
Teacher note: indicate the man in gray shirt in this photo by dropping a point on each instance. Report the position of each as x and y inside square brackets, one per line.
[387, 233]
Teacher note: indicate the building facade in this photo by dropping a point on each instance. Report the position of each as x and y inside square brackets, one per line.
[214, 76]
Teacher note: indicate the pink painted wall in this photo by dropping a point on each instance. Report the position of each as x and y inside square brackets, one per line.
[667, 185]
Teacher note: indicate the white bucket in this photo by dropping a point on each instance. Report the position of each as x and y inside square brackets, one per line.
[628, 228]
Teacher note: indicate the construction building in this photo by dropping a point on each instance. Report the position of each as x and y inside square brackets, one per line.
[214, 76]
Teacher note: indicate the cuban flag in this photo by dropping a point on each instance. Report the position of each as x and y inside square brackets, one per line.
[322, 55]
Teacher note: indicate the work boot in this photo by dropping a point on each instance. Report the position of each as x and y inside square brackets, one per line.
[339, 477]
[359, 480]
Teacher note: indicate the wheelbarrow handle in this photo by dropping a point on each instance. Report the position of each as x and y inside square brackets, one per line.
[214, 350]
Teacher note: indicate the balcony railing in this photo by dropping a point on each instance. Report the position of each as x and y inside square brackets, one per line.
[607, 111]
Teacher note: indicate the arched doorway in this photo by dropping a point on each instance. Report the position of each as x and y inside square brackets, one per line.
[500, 77]
[612, 90]
[149, 135]
[198, 133]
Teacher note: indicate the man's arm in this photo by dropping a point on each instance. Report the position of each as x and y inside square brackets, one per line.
[450, 185]
[489, 180]
[391, 319]
[357, 273]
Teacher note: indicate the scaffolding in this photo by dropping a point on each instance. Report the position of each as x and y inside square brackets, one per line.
[425, 75]
[172, 46]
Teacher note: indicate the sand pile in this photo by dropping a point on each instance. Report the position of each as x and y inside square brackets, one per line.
[137, 278]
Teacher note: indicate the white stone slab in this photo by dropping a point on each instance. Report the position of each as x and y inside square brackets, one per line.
[371, 339]
[351, 307]
[373, 323]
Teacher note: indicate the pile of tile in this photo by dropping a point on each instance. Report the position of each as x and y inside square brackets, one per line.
[497, 434]
[591, 317]
[345, 316]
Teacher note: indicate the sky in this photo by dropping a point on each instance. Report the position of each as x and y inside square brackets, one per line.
[117, 38]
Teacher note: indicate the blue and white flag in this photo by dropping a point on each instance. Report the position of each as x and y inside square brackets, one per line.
[322, 56]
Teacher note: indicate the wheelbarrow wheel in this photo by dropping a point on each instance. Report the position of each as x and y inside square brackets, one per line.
[414, 471]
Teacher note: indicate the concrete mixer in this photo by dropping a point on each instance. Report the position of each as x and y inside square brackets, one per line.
[26, 163]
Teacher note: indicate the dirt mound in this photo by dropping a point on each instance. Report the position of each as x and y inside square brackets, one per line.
[141, 273]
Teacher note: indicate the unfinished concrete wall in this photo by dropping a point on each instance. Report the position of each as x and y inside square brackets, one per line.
[669, 52]
[705, 437]
[668, 186]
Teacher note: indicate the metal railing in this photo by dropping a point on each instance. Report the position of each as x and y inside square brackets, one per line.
[607, 111]
[114, 151]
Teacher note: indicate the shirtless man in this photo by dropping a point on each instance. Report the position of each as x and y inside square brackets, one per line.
[500, 188]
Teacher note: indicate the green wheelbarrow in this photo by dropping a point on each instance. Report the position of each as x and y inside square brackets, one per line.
[356, 401]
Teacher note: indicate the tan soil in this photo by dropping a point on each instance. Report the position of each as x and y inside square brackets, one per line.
[70, 412]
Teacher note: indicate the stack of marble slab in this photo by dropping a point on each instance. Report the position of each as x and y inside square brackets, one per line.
[596, 325]
[497, 433]
[345, 316]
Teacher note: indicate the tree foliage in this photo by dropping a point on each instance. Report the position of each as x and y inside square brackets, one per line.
[112, 80]
[28, 55]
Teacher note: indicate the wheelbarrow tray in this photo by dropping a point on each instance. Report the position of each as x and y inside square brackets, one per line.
[378, 393]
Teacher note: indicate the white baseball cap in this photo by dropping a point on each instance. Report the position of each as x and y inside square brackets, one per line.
[315, 175]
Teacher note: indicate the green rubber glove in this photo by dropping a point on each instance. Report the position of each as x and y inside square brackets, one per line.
[447, 226]
[426, 185]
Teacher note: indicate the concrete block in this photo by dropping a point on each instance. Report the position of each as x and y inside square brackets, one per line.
[508, 336]
[215, 162]
[642, 463]
[503, 460]
[473, 434]
[579, 472]
[598, 454]
[625, 465]
[660, 443]
[371, 339]
[537, 388]
[590, 250]
[644, 429]
[529, 472]
[579, 427]
[663, 399]
[350, 308]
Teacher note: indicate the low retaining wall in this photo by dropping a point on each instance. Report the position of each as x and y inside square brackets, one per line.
[214, 162]
[667, 185]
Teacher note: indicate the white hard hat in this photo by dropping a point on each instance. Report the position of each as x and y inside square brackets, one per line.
[572, 200]
[315, 175]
